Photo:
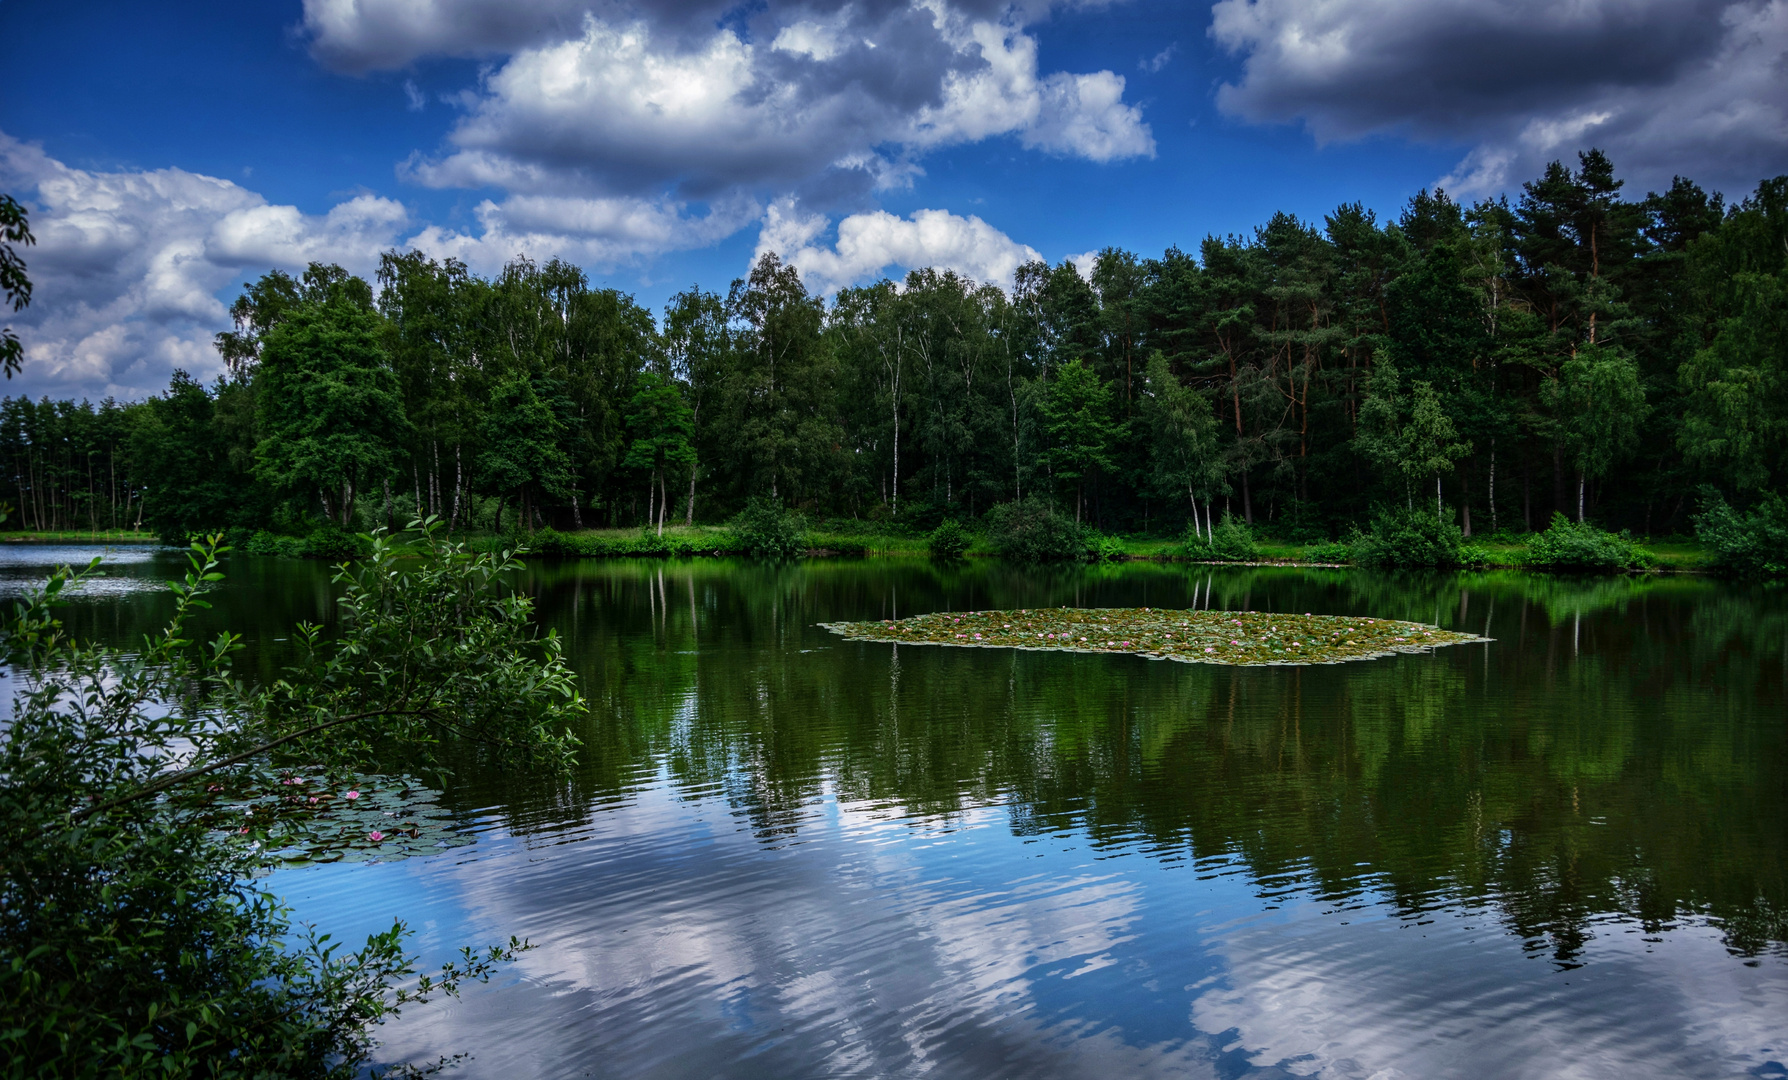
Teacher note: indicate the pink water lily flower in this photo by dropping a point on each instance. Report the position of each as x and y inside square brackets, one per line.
[352, 795]
[375, 836]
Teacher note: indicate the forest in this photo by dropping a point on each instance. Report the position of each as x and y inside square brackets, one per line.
[1572, 350]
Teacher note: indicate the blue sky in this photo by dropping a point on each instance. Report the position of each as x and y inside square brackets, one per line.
[170, 152]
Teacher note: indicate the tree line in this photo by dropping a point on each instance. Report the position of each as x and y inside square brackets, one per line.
[1570, 350]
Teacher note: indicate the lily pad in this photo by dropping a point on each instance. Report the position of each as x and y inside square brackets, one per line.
[1242, 638]
[315, 818]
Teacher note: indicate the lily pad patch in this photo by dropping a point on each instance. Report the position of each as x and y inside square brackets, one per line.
[1245, 638]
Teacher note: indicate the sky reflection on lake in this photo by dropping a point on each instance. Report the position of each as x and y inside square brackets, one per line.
[784, 854]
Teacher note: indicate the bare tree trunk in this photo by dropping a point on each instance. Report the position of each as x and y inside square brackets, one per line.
[895, 510]
[689, 514]
[1579, 496]
[459, 480]
[1558, 476]
[1493, 525]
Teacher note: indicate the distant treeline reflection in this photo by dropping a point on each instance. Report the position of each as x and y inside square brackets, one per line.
[1617, 752]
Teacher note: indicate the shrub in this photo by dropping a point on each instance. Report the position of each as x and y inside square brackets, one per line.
[1333, 552]
[1414, 537]
[839, 545]
[1102, 548]
[949, 540]
[550, 541]
[765, 530]
[1230, 541]
[1032, 530]
[1753, 544]
[331, 541]
[1581, 546]
[262, 542]
[134, 941]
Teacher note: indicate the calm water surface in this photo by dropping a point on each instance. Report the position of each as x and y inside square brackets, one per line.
[786, 855]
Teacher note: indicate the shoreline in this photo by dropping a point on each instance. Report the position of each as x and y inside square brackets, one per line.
[701, 542]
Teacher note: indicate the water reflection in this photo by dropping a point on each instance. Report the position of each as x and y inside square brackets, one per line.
[787, 854]
[1616, 750]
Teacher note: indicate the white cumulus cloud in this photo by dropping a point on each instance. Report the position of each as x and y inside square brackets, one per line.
[670, 100]
[128, 266]
[869, 243]
[133, 269]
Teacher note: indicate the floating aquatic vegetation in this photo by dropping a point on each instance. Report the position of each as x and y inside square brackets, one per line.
[314, 818]
[1209, 637]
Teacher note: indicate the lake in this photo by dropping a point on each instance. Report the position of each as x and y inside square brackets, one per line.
[1557, 854]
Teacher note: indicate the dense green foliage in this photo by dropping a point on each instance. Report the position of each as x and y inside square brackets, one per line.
[1230, 541]
[1402, 536]
[1753, 544]
[949, 540]
[15, 286]
[1568, 545]
[1033, 530]
[140, 791]
[1569, 351]
[766, 529]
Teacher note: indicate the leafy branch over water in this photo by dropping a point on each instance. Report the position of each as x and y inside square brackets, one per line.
[1243, 638]
[141, 792]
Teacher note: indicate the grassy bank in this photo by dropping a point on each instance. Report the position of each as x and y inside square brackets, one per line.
[1673, 554]
[81, 536]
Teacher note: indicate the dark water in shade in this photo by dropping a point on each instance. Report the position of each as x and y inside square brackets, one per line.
[1562, 854]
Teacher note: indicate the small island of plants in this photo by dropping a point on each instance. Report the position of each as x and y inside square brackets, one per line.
[1240, 638]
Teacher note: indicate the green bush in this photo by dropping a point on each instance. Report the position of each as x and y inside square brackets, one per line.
[1414, 537]
[549, 541]
[949, 540]
[134, 940]
[766, 530]
[1101, 548]
[1753, 544]
[1032, 530]
[1230, 541]
[331, 541]
[1333, 552]
[262, 542]
[838, 545]
[1581, 546]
